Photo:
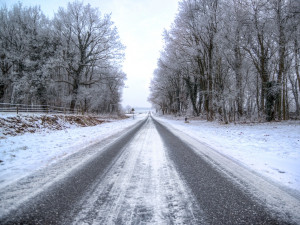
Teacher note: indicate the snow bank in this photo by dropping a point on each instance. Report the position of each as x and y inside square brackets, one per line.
[272, 149]
[21, 155]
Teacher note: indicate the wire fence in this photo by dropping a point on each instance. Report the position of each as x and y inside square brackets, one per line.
[22, 108]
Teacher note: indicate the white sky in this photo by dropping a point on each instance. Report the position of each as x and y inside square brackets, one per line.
[140, 24]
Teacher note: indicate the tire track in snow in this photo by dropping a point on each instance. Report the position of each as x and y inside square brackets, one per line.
[143, 187]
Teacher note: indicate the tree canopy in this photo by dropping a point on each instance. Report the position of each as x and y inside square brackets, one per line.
[230, 60]
[73, 60]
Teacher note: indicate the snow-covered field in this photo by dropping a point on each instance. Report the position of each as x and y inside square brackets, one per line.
[23, 154]
[271, 149]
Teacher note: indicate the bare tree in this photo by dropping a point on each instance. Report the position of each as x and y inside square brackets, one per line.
[86, 41]
[62, 62]
[235, 58]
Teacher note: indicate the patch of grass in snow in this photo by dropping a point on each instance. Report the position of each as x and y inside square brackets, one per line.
[20, 124]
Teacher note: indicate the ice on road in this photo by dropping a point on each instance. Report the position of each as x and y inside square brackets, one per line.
[142, 187]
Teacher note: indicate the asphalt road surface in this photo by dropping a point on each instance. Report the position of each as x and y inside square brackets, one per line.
[148, 175]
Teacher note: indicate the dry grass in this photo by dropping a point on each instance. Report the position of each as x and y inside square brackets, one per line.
[32, 123]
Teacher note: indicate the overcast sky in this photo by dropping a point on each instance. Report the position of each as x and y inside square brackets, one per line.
[140, 24]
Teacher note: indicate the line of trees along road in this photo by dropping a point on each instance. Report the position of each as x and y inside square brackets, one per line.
[73, 60]
[231, 60]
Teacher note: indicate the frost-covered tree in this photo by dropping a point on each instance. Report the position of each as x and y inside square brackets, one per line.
[237, 60]
[25, 50]
[88, 45]
[73, 60]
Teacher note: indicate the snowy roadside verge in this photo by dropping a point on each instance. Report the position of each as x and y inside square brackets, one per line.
[270, 149]
[23, 154]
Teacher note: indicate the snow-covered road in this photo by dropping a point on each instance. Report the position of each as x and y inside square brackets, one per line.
[146, 174]
[142, 187]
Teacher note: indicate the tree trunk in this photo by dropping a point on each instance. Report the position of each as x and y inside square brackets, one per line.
[296, 53]
[74, 93]
[193, 90]
[238, 74]
[210, 82]
[295, 93]
[224, 113]
[270, 100]
[281, 53]
[284, 100]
